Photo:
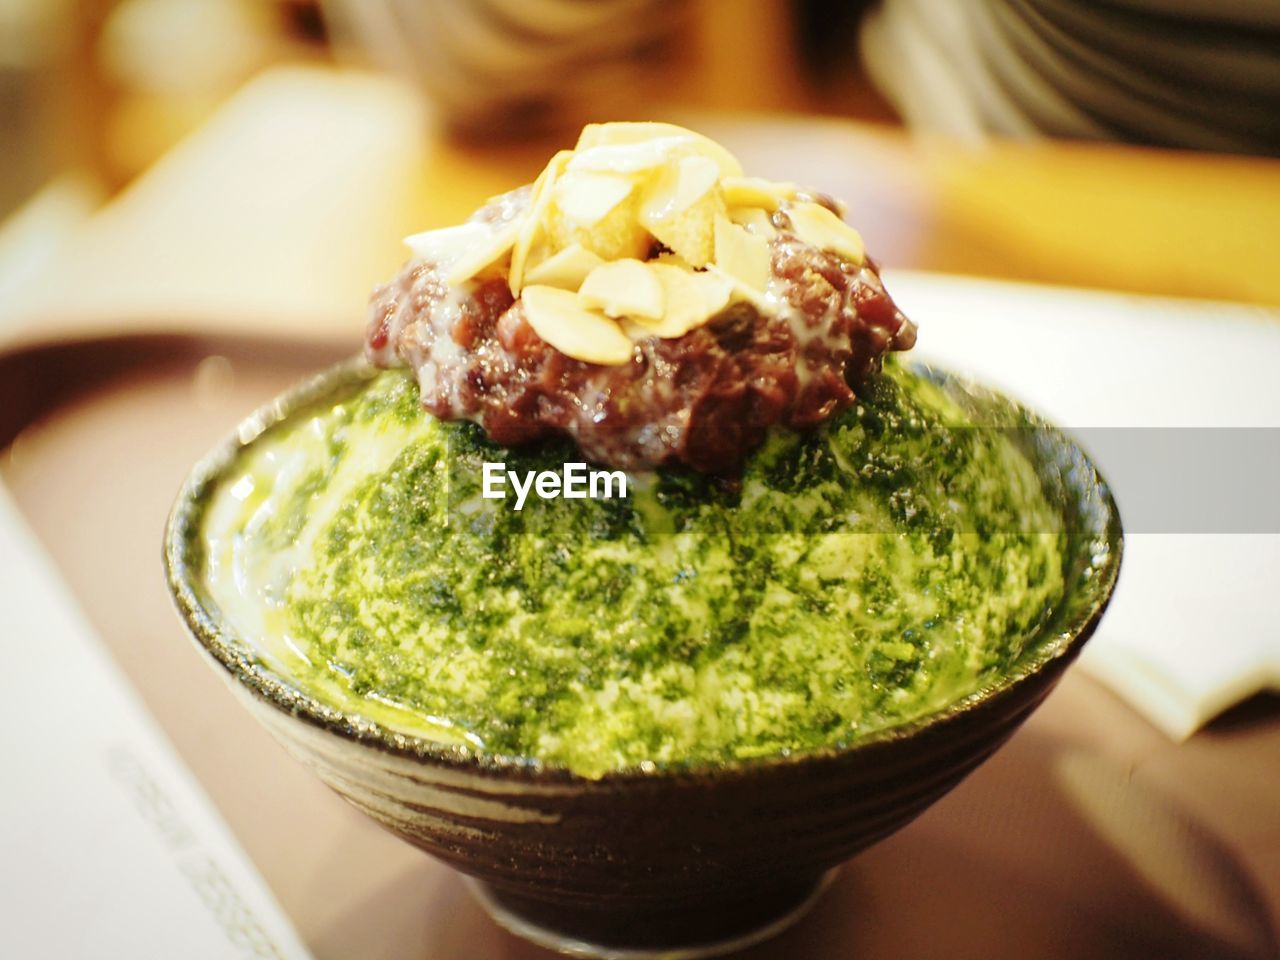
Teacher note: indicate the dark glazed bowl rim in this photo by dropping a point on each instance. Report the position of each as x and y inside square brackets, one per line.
[1050, 652]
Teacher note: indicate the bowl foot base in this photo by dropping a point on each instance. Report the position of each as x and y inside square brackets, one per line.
[688, 932]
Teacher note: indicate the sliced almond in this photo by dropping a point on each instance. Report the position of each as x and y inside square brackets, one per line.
[587, 198]
[534, 226]
[486, 256]
[742, 255]
[448, 245]
[636, 331]
[565, 269]
[464, 251]
[676, 188]
[818, 226]
[754, 220]
[559, 317]
[756, 192]
[743, 292]
[624, 288]
[667, 256]
[629, 159]
[691, 299]
[624, 133]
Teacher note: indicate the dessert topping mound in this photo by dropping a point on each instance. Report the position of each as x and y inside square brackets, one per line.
[645, 298]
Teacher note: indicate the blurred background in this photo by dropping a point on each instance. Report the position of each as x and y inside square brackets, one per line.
[358, 122]
[106, 86]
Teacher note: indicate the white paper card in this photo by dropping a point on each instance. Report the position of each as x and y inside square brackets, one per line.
[108, 846]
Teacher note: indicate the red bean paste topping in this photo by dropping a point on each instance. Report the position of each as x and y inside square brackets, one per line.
[704, 400]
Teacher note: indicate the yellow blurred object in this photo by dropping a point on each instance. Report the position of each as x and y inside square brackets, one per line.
[746, 59]
[34, 237]
[276, 216]
[172, 63]
[184, 46]
[142, 127]
[1126, 218]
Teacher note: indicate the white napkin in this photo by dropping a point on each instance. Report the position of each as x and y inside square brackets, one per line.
[108, 846]
[1195, 623]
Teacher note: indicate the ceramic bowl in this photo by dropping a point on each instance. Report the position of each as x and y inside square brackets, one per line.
[653, 861]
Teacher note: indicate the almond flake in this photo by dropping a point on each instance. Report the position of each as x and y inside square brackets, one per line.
[629, 158]
[566, 269]
[676, 188]
[742, 255]
[756, 192]
[463, 251]
[534, 225]
[587, 198]
[448, 245]
[624, 133]
[636, 331]
[624, 288]
[485, 256]
[691, 299]
[740, 291]
[754, 220]
[559, 317]
[819, 227]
